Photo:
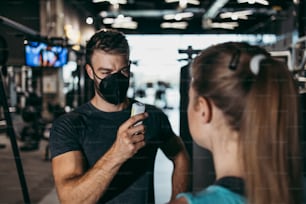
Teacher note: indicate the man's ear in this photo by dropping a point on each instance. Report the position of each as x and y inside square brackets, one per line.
[206, 109]
[89, 71]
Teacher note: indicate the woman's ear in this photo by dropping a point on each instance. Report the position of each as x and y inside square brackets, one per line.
[89, 71]
[205, 109]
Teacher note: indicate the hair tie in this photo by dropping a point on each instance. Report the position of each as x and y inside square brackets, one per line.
[234, 61]
[254, 63]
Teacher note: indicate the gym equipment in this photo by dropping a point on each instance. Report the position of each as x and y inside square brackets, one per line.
[9, 125]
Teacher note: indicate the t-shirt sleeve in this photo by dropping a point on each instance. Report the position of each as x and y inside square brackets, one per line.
[160, 123]
[166, 128]
[65, 135]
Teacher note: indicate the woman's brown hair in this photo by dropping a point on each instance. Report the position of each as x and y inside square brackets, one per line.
[263, 108]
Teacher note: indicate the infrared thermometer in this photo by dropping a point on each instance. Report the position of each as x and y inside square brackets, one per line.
[137, 108]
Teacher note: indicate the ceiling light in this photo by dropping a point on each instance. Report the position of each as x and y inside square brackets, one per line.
[171, 1]
[178, 16]
[108, 20]
[176, 25]
[89, 20]
[103, 14]
[126, 25]
[263, 2]
[237, 15]
[195, 2]
[226, 25]
[183, 3]
[121, 22]
[111, 1]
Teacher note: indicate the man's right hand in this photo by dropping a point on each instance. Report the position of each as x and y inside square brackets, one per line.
[130, 138]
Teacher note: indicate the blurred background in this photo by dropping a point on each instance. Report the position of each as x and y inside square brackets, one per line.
[164, 36]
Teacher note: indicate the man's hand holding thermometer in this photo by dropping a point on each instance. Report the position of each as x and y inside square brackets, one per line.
[137, 108]
[131, 134]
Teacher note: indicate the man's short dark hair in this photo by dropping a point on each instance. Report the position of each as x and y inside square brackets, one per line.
[108, 40]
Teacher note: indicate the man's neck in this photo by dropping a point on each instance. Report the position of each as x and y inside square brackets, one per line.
[105, 106]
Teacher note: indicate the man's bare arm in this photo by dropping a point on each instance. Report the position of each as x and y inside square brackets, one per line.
[175, 150]
[74, 185]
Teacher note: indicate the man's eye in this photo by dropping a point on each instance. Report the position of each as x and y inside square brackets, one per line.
[105, 72]
[125, 70]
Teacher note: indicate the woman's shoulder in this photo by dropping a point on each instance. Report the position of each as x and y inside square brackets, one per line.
[213, 194]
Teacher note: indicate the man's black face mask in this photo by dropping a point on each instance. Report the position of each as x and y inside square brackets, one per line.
[113, 88]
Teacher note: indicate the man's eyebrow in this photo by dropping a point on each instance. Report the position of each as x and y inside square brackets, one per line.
[104, 69]
[110, 69]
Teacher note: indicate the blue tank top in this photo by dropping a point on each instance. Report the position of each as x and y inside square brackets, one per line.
[222, 192]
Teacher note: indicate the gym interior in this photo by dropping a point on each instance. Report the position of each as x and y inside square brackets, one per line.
[35, 93]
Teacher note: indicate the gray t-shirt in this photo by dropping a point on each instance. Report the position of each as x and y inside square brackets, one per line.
[93, 132]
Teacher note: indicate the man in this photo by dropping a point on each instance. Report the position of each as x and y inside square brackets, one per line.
[100, 154]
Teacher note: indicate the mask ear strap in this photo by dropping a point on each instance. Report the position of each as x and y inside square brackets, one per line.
[94, 73]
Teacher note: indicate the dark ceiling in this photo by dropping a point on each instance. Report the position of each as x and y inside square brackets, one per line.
[206, 16]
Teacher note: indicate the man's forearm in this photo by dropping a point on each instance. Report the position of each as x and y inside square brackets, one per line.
[181, 174]
[89, 187]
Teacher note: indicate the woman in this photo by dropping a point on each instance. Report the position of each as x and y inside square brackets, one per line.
[243, 107]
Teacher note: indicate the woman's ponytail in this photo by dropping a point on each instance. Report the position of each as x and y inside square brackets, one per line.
[270, 134]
